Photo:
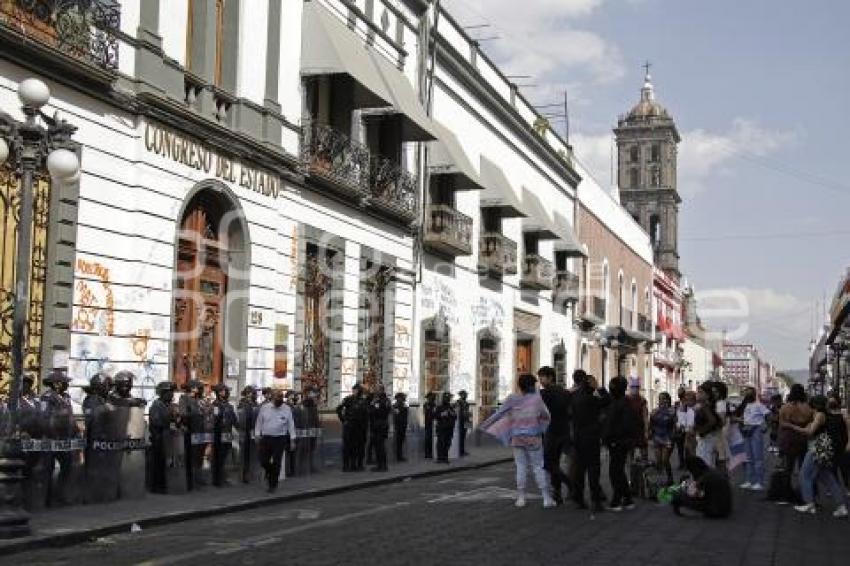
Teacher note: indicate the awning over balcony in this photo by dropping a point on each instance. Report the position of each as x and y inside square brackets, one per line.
[545, 227]
[498, 192]
[446, 157]
[417, 126]
[328, 47]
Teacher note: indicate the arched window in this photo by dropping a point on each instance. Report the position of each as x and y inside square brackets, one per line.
[620, 297]
[655, 231]
[634, 153]
[634, 313]
[606, 289]
[634, 178]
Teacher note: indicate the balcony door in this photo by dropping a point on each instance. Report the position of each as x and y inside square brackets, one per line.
[200, 290]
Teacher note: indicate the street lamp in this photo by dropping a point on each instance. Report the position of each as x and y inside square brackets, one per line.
[26, 148]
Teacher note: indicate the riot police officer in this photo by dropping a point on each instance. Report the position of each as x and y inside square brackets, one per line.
[61, 429]
[353, 413]
[400, 415]
[32, 426]
[195, 440]
[429, 409]
[132, 433]
[224, 419]
[247, 417]
[121, 396]
[464, 421]
[379, 427]
[445, 418]
[162, 421]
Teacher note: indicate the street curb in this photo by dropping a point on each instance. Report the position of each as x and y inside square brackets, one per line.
[60, 540]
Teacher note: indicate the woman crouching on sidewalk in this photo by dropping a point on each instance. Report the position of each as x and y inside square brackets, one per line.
[520, 423]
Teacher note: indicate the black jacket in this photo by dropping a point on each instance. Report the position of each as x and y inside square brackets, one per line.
[445, 417]
[587, 406]
[353, 411]
[621, 423]
[379, 415]
[558, 401]
[400, 416]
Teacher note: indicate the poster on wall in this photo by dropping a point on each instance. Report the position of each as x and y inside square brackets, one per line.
[281, 351]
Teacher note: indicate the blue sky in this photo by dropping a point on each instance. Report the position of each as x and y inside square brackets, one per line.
[759, 90]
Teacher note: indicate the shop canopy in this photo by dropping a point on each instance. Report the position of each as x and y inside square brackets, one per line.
[555, 227]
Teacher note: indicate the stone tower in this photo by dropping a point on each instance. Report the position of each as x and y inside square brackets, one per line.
[647, 141]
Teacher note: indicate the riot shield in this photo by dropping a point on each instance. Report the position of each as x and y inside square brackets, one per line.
[103, 461]
[132, 472]
[35, 448]
[65, 473]
[175, 461]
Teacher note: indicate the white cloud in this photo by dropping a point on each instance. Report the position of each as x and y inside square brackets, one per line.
[778, 323]
[702, 153]
[540, 39]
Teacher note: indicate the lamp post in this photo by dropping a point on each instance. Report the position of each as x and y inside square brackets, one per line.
[26, 148]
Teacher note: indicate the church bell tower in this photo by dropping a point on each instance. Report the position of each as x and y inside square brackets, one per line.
[647, 141]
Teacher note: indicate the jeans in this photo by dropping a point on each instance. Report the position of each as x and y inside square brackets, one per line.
[754, 443]
[811, 472]
[530, 456]
[706, 446]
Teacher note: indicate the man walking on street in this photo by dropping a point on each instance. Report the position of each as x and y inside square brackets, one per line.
[274, 430]
[463, 422]
[556, 440]
[587, 406]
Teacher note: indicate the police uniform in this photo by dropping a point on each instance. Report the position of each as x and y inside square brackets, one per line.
[247, 417]
[400, 416]
[224, 419]
[428, 411]
[463, 422]
[193, 421]
[379, 428]
[161, 419]
[353, 413]
[445, 417]
[60, 426]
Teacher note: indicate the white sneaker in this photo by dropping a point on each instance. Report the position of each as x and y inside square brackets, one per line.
[520, 500]
[808, 508]
[548, 501]
[840, 513]
[745, 485]
[757, 487]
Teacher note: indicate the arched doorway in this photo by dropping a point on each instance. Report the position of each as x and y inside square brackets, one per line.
[210, 288]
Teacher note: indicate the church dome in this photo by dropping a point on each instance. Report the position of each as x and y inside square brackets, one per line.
[648, 107]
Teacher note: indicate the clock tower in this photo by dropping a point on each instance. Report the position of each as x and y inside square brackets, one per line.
[647, 141]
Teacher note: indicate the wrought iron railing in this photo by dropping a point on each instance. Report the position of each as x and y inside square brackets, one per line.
[497, 254]
[332, 154]
[537, 272]
[84, 29]
[448, 229]
[336, 157]
[392, 186]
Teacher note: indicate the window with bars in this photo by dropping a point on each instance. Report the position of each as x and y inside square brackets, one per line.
[373, 322]
[317, 283]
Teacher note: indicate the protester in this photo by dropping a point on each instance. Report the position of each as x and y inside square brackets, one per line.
[621, 423]
[708, 492]
[520, 423]
[556, 440]
[827, 433]
[707, 424]
[274, 430]
[640, 406]
[751, 415]
[685, 423]
[587, 406]
[797, 412]
[662, 428]
[680, 409]
[721, 407]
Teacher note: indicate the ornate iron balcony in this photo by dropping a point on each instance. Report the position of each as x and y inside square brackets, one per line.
[335, 157]
[349, 168]
[392, 188]
[537, 272]
[567, 286]
[83, 29]
[447, 230]
[497, 254]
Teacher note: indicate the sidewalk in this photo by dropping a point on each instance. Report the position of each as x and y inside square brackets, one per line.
[72, 525]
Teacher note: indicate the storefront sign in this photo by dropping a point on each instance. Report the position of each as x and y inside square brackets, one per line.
[194, 154]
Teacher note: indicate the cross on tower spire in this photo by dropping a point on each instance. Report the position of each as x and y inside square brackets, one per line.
[647, 65]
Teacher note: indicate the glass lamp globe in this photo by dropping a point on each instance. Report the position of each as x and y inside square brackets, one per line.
[4, 151]
[62, 164]
[33, 93]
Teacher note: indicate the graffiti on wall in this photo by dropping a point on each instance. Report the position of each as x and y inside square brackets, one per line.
[95, 301]
[439, 296]
[488, 313]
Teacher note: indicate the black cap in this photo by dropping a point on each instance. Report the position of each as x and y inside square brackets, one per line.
[57, 376]
[400, 395]
[248, 390]
[220, 387]
[163, 386]
[123, 377]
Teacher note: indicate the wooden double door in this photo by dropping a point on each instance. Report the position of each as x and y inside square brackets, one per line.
[199, 298]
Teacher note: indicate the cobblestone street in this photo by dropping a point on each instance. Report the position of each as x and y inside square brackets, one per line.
[469, 518]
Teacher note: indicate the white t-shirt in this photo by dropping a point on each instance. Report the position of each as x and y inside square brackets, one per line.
[755, 413]
[685, 418]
